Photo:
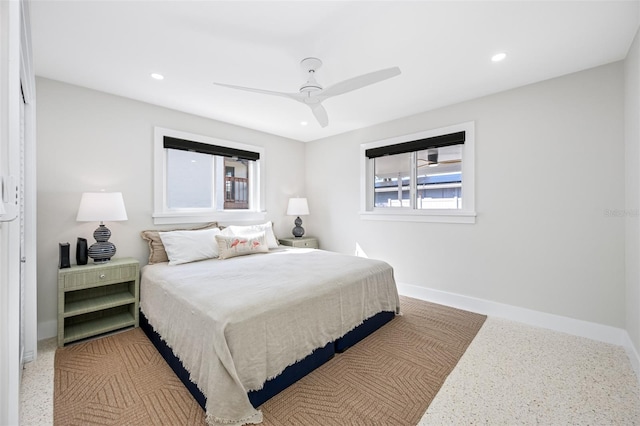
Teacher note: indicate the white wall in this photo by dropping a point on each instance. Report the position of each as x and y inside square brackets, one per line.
[632, 158]
[88, 140]
[549, 165]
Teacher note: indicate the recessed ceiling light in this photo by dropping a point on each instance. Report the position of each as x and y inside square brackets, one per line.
[498, 57]
[157, 76]
[303, 123]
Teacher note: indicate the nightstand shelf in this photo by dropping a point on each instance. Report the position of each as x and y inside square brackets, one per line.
[302, 242]
[93, 327]
[101, 302]
[97, 298]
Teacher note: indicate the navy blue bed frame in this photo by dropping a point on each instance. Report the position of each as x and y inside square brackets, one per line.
[290, 375]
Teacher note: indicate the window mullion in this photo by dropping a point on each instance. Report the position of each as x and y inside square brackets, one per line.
[218, 182]
[252, 169]
[413, 181]
[370, 178]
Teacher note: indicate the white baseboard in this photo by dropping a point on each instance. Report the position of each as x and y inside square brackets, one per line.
[590, 330]
[28, 356]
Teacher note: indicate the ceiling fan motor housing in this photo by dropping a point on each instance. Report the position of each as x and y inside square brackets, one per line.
[432, 157]
[310, 65]
[310, 86]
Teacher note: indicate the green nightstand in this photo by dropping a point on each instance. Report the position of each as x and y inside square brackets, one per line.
[97, 298]
[302, 242]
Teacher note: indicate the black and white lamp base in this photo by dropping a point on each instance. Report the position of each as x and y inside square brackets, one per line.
[102, 250]
[298, 231]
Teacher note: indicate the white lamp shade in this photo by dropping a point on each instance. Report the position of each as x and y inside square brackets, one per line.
[297, 207]
[101, 206]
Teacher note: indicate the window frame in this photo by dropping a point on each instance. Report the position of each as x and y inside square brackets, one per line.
[466, 214]
[162, 214]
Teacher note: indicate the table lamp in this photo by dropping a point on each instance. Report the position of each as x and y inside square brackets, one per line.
[101, 207]
[298, 207]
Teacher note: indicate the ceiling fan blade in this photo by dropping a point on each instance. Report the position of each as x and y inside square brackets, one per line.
[360, 81]
[294, 96]
[427, 163]
[320, 113]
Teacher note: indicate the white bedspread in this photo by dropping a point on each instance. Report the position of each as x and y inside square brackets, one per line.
[238, 322]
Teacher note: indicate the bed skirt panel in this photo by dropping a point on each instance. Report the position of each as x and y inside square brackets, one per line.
[363, 330]
[292, 374]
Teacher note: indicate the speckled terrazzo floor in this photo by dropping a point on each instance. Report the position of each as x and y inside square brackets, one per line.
[516, 374]
[36, 391]
[510, 374]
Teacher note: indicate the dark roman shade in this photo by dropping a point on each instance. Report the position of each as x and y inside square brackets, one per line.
[205, 148]
[417, 145]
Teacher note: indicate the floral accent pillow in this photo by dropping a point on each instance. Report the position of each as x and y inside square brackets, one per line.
[244, 230]
[236, 245]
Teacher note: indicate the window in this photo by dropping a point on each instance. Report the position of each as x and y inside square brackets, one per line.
[236, 183]
[426, 176]
[199, 179]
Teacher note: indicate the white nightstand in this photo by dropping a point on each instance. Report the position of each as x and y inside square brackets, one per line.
[302, 242]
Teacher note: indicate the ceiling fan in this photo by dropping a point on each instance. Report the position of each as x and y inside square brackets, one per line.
[312, 93]
[432, 159]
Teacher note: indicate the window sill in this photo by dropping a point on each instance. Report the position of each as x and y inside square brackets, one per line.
[225, 216]
[439, 216]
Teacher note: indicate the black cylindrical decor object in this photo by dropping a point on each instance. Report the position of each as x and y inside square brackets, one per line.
[82, 251]
[64, 261]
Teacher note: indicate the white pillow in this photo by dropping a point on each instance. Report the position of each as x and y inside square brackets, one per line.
[267, 228]
[237, 245]
[189, 246]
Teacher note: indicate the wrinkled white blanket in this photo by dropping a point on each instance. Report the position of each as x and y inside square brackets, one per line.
[238, 322]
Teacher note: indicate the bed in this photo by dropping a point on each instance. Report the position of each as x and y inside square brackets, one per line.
[244, 327]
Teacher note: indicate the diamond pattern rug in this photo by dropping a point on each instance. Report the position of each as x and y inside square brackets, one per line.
[389, 378]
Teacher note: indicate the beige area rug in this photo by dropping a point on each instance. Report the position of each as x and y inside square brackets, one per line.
[388, 378]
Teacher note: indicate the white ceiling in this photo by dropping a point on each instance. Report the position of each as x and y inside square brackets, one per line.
[442, 47]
